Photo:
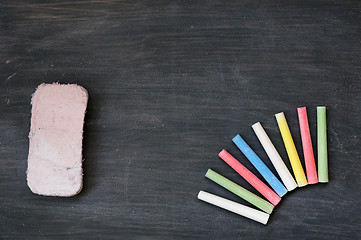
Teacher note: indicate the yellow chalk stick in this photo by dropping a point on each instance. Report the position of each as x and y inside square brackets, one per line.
[291, 150]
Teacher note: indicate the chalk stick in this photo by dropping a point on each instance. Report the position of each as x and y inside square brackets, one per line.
[274, 156]
[250, 177]
[260, 166]
[307, 146]
[322, 144]
[291, 150]
[240, 191]
[232, 206]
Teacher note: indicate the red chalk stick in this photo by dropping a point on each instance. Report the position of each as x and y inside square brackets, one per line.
[250, 177]
[307, 146]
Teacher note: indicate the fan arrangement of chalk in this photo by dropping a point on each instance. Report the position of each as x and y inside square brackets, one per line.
[275, 189]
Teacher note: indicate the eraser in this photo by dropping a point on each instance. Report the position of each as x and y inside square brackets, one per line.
[56, 134]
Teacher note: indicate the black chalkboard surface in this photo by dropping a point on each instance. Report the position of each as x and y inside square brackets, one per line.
[170, 84]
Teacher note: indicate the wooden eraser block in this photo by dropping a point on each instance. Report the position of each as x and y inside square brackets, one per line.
[55, 140]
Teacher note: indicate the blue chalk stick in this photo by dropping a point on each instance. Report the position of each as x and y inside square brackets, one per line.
[260, 166]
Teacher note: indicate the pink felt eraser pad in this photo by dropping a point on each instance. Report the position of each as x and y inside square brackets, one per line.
[55, 140]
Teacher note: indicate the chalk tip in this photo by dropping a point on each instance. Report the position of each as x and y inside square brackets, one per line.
[321, 107]
[208, 172]
[236, 137]
[323, 181]
[282, 193]
[291, 188]
[302, 184]
[280, 115]
[312, 181]
[256, 124]
[301, 109]
[222, 152]
[200, 194]
[266, 220]
[276, 201]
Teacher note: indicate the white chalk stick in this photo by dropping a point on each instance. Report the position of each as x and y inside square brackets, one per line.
[274, 156]
[231, 206]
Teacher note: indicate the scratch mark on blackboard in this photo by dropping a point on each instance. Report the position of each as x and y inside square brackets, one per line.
[11, 76]
[220, 69]
[126, 188]
[334, 133]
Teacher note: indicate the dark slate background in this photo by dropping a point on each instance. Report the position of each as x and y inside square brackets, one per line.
[170, 84]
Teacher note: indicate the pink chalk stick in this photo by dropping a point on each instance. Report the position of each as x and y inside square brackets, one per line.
[250, 177]
[307, 146]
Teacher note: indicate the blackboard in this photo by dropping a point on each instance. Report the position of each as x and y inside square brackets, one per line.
[170, 84]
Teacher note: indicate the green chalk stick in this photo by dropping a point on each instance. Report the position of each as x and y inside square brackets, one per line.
[322, 144]
[240, 191]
